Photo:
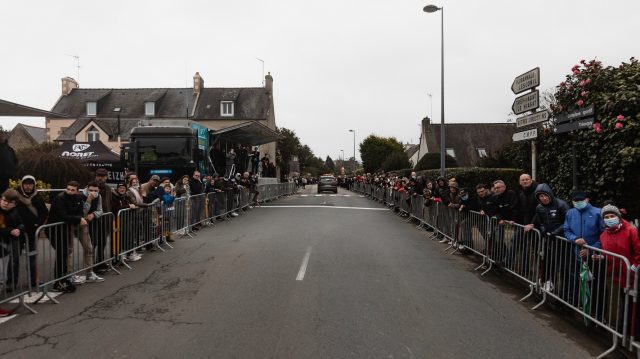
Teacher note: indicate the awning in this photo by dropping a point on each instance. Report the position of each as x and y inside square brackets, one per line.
[250, 133]
[13, 109]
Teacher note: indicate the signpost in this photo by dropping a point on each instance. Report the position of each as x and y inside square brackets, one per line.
[525, 135]
[533, 118]
[575, 125]
[526, 81]
[576, 115]
[526, 102]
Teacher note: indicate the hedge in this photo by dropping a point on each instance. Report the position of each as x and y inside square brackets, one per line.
[469, 177]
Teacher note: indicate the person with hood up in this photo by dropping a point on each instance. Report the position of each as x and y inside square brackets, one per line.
[33, 212]
[442, 190]
[549, 220]
[583, 224]
[621, 238]
[9, 162]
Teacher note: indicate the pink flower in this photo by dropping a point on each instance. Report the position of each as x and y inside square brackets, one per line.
[575, 72]
[562, 84]
[580, 103]
[582, 83]
[584, 93]
[587, 81]
[575, 67]
[620, 118]
[619, 125]
[598, 130]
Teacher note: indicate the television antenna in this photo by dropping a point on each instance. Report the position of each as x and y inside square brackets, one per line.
[77, 65]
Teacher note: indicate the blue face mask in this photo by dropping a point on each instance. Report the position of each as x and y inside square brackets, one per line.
[465, 197]
[580, 204]
[612, 222]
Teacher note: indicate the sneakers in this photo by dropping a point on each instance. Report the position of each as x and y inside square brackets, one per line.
[77, 280]
[93, 278]
[443, 240]
[234, 214]
[5, 313]
[64, 286]
[133, 257]
[548, 286]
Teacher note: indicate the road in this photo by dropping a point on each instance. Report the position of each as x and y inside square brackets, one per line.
[304, 277]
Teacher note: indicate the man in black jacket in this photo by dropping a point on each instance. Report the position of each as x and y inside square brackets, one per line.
[8, 162]
[197, 201]
[527, 201]
[33, 212]
[10, 232]
[503, 207]
[66, 207]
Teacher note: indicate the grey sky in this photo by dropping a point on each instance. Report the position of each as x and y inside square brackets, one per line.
[337, 64]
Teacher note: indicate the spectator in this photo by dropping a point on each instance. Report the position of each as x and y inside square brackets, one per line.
[92, 210]
[442, 191]
[182, 187]
[106, 193]
[255, 160]
[168, 212]
[10, 232]
[549, 219]
[527, 202]
[197, 202]
[159, 191]
[138, 227]
[9, 162]
[503, 206]
[621, 238]
[467, 203]
[583, 225]
[230, 162]
[33, 213]
[120, 199]
[149, 188]
[66, 207]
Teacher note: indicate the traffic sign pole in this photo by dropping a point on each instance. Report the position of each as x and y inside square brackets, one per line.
[525, 103]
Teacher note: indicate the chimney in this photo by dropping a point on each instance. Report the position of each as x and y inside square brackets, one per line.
[268, 83]
[68, 84]
[198, 83]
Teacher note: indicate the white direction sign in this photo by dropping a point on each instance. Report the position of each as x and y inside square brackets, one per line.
[525, 135]
[527, 80]
[526, 102]
[532, 118]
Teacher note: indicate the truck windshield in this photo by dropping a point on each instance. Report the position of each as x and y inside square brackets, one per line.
[164, 150]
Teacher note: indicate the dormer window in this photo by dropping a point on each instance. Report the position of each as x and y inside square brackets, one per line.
[93, 135]
[451, 152]
[226, 108]
[149, 108]
[92, 108]
[482, 152]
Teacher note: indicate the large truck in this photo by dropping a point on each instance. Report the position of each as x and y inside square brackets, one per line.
[167, 151]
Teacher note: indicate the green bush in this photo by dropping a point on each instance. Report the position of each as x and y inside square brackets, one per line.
[432, 161]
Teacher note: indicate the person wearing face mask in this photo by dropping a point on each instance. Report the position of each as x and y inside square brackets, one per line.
[466, 203]
[619, 237]
[33, 212]
[583, 224]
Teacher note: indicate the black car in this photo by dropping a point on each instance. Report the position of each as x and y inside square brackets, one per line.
[328, 183]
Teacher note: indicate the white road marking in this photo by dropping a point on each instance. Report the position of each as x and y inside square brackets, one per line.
[329, 207]
[303, 267]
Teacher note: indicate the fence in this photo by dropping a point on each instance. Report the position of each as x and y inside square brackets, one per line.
[61, 252]
[602, 287]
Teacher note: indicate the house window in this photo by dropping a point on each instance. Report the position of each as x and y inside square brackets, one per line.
[149, 108]
[92, 108]
[93, 135]
[482, 152]
[451, 152]
[226, 108]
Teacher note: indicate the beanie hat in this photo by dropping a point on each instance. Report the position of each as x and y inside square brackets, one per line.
[29, 178]
[610, 209]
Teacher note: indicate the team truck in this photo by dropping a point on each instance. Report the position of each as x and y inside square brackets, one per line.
[166, 151]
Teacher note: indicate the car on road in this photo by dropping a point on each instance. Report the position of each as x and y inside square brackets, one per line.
[327, 183]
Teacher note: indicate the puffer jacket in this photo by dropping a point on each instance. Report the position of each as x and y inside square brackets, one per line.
[586, 223]
[550, 218]
[623, 240]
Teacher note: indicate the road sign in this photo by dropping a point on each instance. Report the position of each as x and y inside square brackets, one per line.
[525, 135]
[525, 103]
[576, 115]
[527, 80]
[533, 118]
[575, 125]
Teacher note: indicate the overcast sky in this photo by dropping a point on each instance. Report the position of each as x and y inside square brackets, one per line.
[367, 65]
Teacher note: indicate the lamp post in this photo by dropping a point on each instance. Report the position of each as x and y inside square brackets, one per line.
[430, 9]
[354, 149]
[342, 162]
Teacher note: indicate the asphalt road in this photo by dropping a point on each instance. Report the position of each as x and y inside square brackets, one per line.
[372, 287]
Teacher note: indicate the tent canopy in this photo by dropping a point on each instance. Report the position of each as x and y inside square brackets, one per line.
[92, 154]
[251, 132]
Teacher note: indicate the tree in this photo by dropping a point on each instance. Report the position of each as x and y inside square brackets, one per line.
[374, 150]
[609, 153]
[432, 161]
[329, 166]
[287, 147]
[305, 155]
[511, 155]
[396, 161]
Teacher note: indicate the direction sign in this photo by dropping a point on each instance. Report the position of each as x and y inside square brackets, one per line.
[527, 80]
[532, 118]
[575, 125]
[525, 135]
[576, 115]
[526, 102]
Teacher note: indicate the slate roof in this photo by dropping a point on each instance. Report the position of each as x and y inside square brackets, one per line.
[466, 138]
[108, 125]
[39, 134]
[250, 103]
[411, 150]
[170, 102]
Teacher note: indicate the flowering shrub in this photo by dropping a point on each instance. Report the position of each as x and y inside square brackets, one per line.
[609, 153]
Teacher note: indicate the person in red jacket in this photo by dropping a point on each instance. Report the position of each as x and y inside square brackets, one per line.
[621, 238]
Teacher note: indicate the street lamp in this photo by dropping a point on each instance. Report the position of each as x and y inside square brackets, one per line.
[354, 149]
[430, 9]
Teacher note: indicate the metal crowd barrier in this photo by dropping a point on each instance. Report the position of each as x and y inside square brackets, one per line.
[16, 270]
